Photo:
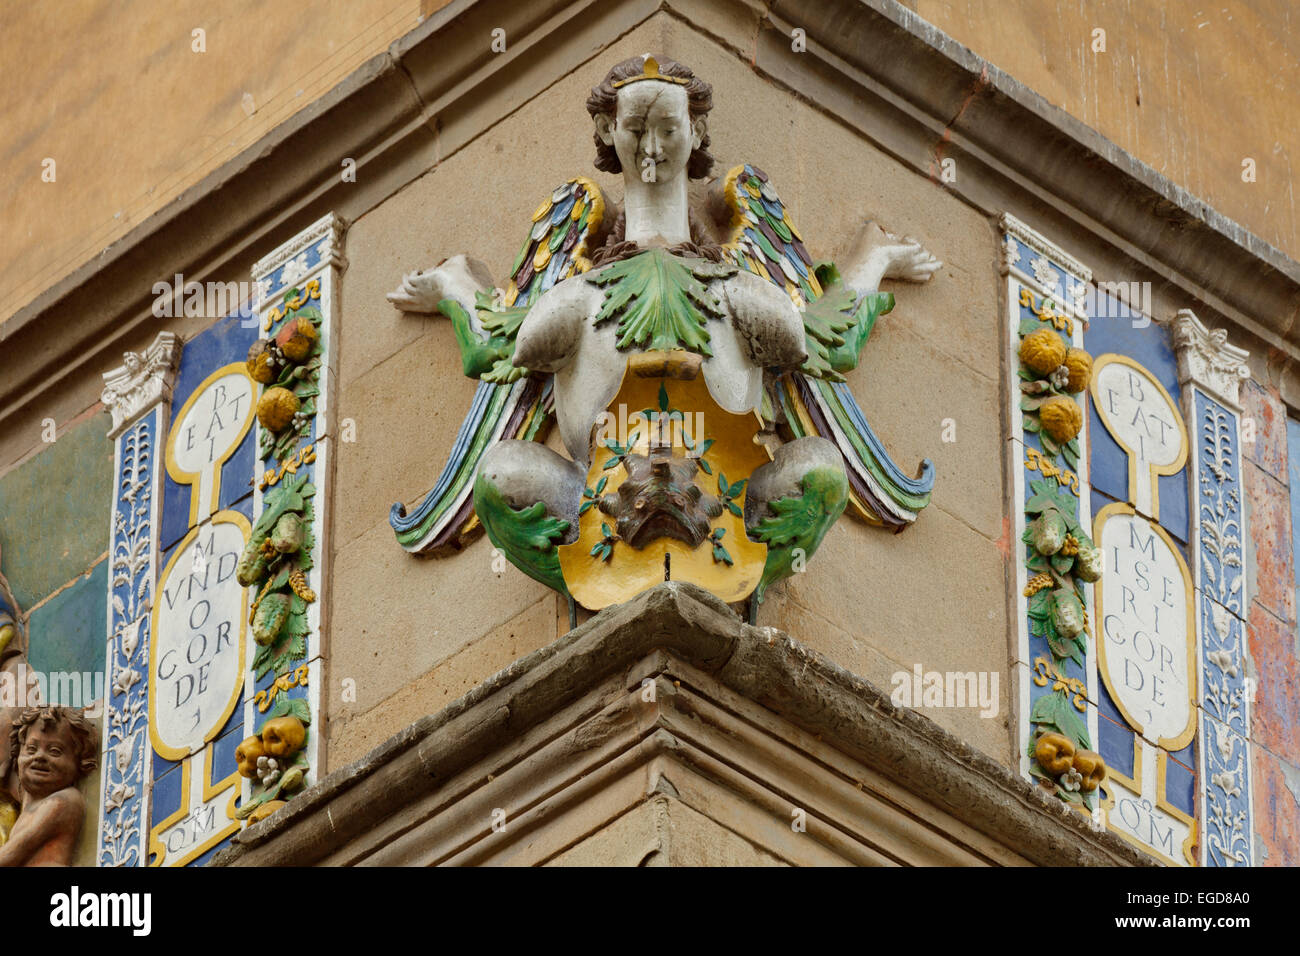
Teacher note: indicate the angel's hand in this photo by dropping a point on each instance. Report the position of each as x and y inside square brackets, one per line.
[419, 291]
[456, 278]
[909, 260]
[877, 254]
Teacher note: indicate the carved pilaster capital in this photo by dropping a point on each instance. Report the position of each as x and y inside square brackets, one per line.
[143, 380]
[1206, 359]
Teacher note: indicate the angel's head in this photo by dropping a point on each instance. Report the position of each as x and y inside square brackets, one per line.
[651, 117]
[54, 747]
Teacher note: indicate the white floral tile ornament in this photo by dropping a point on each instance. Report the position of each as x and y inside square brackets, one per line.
[1010, 252]
[294, 269]
[263, 290]
[1045, 274]
[1078, 292]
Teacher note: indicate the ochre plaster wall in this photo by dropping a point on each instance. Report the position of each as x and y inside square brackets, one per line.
[416, 633]
[1189, 88]
[133, 117]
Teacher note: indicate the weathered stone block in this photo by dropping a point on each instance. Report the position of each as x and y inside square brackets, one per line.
[1275, 712]
[1277, 809]
[1268, 506]
[1268, 450]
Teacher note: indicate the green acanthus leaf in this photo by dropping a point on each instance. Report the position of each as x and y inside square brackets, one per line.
[660, 300]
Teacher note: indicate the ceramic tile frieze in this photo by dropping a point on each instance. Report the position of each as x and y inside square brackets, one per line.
[137, 395]
[1057, 562]
[283, 564]
[1135, 655]
[198, 618]
[1211, 371]
[1146, 603]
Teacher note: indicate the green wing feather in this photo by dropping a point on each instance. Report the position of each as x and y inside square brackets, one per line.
[837, 322]
[510, 402]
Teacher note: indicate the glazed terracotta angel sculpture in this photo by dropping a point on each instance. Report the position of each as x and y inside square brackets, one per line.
[693, 357]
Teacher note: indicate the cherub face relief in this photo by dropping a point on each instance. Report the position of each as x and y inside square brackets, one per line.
[47, 760]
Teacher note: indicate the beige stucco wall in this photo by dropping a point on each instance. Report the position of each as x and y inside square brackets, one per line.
[133, 117]
[416, 633]
[1189, 88]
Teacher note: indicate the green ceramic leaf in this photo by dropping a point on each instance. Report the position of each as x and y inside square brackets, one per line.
[660, 301]
[527, 536]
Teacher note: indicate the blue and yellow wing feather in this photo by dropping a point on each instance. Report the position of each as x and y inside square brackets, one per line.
[837, 321]
[509, 402]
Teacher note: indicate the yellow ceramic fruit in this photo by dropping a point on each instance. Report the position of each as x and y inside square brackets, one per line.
[1055, 753]
[1061, 418]
[283, 736]
[265, 810]
[296, 339]
[246, 755]
[259, 364]
[1079, 363]
[1092, 768]
[276, 408]
[8, 817]
[1042, 351]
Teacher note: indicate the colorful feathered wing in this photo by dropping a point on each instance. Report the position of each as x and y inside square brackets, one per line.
[837, 321]
[13, 640]
[509, 402]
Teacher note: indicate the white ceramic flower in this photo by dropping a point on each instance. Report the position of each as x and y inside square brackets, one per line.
[1045, 274]
[294, 269]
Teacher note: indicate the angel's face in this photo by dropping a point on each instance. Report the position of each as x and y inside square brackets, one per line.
[652, 132]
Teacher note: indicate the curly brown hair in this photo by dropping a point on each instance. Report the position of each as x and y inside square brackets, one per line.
[699, 100]
[83, 734]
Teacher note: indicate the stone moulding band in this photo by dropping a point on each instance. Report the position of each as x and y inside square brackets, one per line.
[678, 620]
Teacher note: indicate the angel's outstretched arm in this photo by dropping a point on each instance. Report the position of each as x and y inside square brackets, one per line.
[453, 288]
[458, 278]
[877, 254]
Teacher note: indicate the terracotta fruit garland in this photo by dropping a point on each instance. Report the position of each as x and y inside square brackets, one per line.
[1060, 555]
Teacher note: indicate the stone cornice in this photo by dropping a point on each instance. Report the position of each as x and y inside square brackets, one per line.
[1206, 359]
[761, 666]
[872, 64]
[1019, 152]
[142, 381]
